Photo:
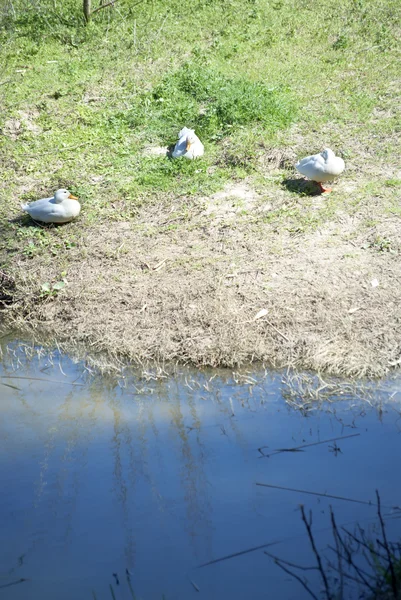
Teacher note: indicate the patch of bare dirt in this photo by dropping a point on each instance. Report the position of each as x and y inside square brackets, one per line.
[191, 294]
[12, 128]
[273, 159]
[26, 121]
[155, 151]
[235, 198]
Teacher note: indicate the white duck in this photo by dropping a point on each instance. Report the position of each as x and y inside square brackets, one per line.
[322, 167]
[63, 207]
[188, 145]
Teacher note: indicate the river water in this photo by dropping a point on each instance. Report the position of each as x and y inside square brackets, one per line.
[124, 489]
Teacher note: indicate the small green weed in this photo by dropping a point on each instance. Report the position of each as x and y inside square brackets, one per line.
[393, 183]
[341, 42]
[52, 289]
[382, 245]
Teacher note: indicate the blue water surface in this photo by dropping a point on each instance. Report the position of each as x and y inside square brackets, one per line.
[157, 475]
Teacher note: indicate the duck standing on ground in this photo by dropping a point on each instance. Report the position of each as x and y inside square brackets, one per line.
[188, 145]
[63, 207]
[322, 167]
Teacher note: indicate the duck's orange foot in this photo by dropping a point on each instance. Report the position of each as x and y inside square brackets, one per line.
[324, 190]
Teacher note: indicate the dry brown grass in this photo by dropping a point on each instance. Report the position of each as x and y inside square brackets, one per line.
[187, 288]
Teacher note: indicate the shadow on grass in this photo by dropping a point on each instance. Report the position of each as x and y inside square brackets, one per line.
[26, 222]
[170, 150]
[7, 290]
[303, 187]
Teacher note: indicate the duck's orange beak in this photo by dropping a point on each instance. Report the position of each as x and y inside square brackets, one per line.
[188, 146]
[73, 197]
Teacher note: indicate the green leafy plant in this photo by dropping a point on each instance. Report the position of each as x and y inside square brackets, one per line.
[382, 245]
[52, 289]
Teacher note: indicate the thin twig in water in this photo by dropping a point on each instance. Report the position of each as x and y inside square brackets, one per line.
[394, 584]
[13, 387]
[375, 581]
[359, 571]
[212, 562]
[363, 544]
[297, 577]
[130, 584]
[6, 585]
[336, 535]
[40, 379]
[255, 548]
[288, 489]
[356, 579]
[308, 525]
[290, 564]
[305, 445]
[194, 585]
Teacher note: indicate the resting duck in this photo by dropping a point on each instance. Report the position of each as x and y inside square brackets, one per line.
[188, 145]
[321, 167]
[63, 207]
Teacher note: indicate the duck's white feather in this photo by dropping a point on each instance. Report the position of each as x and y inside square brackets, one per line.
[48, 210]
[196, 148]
[37, 205]
[185, 131]
[322, 167]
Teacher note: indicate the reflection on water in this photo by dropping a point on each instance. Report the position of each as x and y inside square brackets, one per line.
[158, 476]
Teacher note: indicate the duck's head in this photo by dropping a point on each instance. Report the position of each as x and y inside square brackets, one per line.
[62, 195]
[191, 139]
[327, 154]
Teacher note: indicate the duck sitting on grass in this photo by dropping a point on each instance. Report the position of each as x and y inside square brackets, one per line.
[322, 167]
[188, 145]
[62, 208]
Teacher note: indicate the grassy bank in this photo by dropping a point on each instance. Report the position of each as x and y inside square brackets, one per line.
[172, 260]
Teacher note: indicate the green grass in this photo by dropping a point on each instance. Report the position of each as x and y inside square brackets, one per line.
[244, 74]
[216, 105]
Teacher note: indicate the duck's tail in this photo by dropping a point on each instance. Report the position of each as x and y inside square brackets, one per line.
[24, 207]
